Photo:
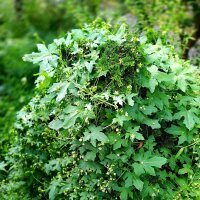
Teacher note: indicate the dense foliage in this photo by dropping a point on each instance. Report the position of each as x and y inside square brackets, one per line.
[24, 23]
[115, 116]
[174, 18]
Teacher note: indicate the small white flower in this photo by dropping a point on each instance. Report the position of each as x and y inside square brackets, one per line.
[116, 92]
[88, 106]
[106, 95]
[118, 100]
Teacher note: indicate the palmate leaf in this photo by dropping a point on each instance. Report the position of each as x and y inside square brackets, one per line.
[175, 130]
[70, 120]
[153, 123]
[63, 91]
[182, 78]
[132, 180]
[147, 163]
[90, 155]
[89, 65]
[94, 134]
[120, 119]
[46, 57]
[190, 118]
[52, 165]
[134, 134]
[53, 189]
[119, 36]
[62, 88]
[182, 83]
[65, 121]
[148, 110]
[182, 133]
[103, 126]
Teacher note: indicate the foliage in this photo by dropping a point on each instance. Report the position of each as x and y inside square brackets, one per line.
[174, 18]
[20, 29]
[16, 82]
[41, 20]
[115, 116]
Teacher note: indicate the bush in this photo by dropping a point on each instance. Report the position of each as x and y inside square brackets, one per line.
[20, 27]
[115, 116]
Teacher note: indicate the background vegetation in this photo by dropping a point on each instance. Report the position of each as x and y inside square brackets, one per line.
[25, 23]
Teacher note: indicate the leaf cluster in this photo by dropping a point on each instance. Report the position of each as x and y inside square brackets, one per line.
[115, 116]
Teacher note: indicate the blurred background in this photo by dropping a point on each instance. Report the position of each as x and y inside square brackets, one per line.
[24, 23]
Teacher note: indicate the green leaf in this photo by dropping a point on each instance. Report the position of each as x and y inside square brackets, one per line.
[148, 110]
[89, 65]
[117, 144]
[119, 36]
[137, 183]
[182, 84]
[133, 133]
[124, 194]
[155, 161]
[133, 180]
[76, 48]
[53, 189]
[42, 48]
[120, 119]
[175, 130]
[2, 166]
[138, 169]
[182, 132]
[55, 87]
[153, 70]
[148, 163]
[139, 136]
[93, 134]
[189, 117]
[70, 109]
[90, 155]
[53, 165]
[185, 170]
[70, 120]
[56, 124]
[130, 99]
[63, 92]
[59, 41]
[152, 84]
[46, 58]
[153, 123]
[68, 40]
[61, 87]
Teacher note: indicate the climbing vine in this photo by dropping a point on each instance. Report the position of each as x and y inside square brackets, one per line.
[115, 116]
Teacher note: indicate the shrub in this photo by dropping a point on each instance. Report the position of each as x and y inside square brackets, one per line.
[115, 116]
[20, 28]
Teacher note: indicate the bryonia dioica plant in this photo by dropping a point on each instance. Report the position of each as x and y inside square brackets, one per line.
[115, 116]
